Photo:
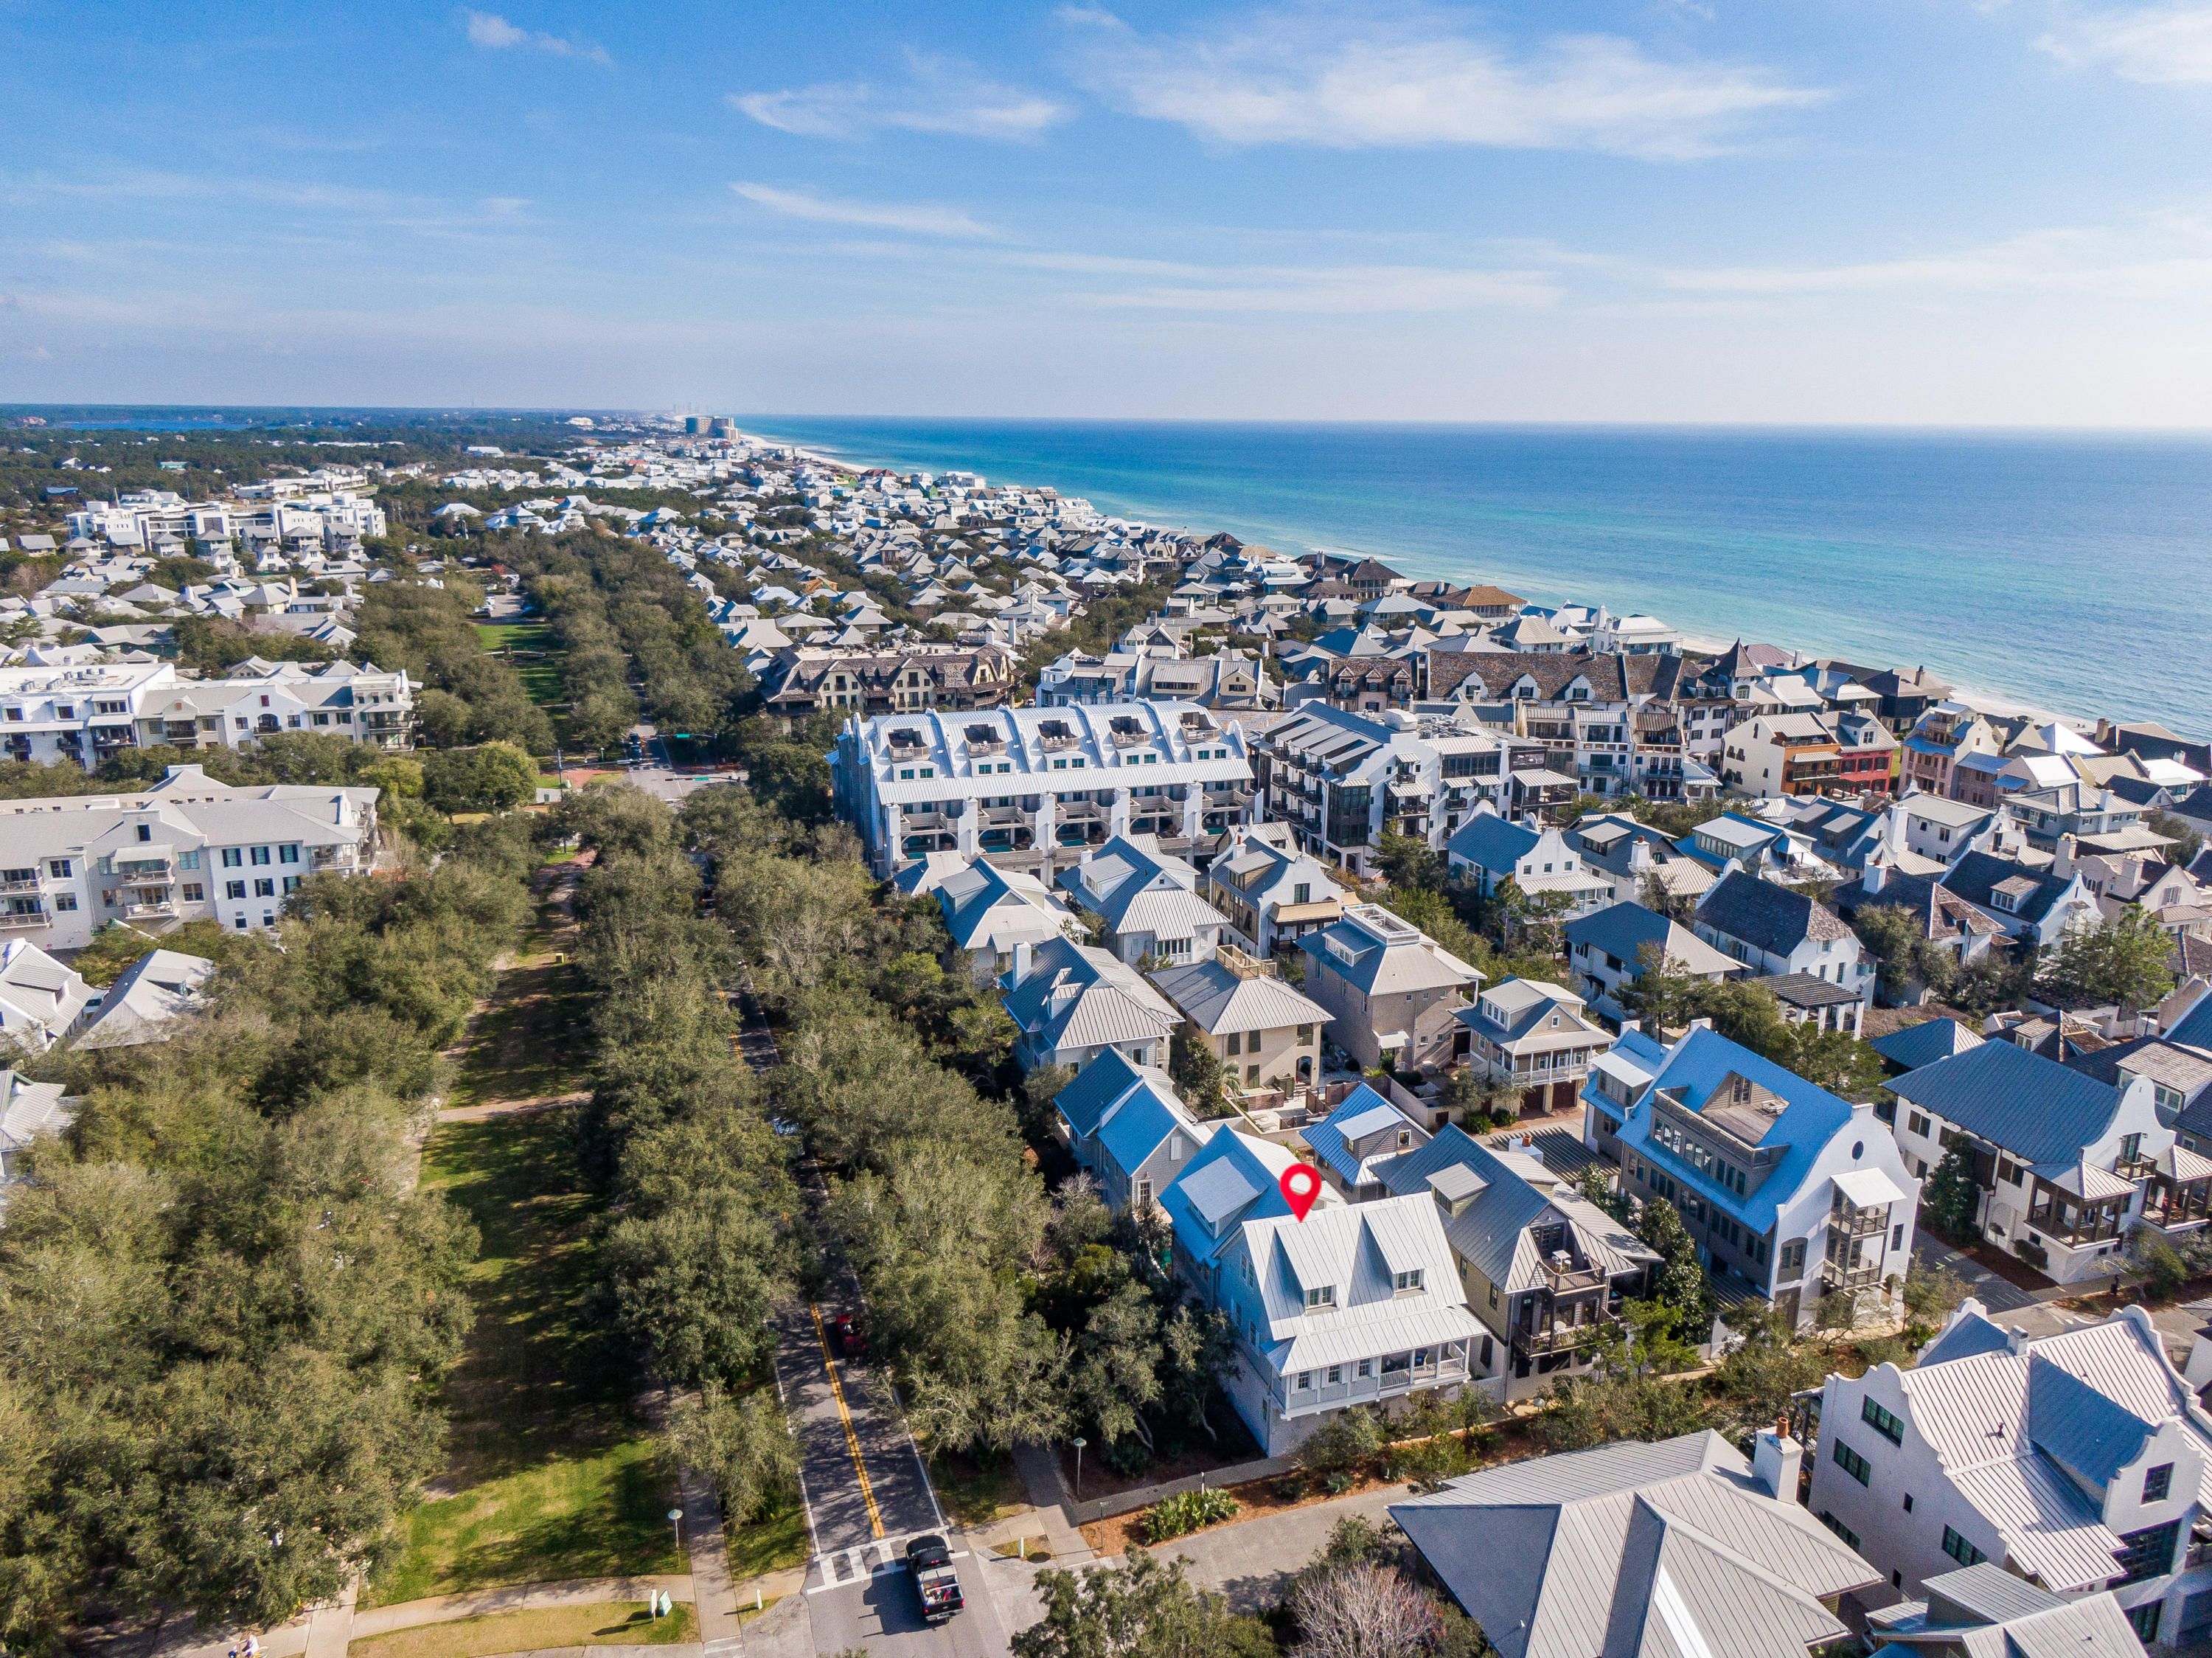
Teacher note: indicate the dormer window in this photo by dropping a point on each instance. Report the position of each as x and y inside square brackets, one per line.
[1405, 1282]
[1324, 1296]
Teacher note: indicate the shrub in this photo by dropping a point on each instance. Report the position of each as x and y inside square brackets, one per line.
[1186, 1512]
[1126, 1457]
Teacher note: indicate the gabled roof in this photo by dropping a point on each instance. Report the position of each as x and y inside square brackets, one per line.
[1375, 952]
[1360, 1114]
[1666, 1550]
[1234, 1176]
[1976, 874]
[1356, 1251]
[1493, 842]
[1925, 1043]
[1766, 916]
[1622, 930]
[1218, 1001]
[2035, 1108]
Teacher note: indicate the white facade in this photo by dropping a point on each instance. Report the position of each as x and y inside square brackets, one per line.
[2079, 1462]
[89, 713]
[1036, 778]
[188, 849]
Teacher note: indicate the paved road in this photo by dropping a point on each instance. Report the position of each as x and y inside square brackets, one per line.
[657, 774]
[880, 1613]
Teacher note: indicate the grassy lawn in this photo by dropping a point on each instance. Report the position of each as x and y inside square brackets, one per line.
[549, 1476]
[617, 1622]
[523, 636]
[767, 1546]
[977, 1493]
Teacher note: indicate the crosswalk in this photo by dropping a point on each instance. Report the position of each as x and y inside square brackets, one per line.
[839, 1567]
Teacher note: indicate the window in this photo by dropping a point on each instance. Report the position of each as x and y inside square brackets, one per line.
[1366, 1368]
[1144, 1193]
[1960, 1549]
[1302, 892]
[1234, 1044]
[1305, 1035]
[60, 868]
[194, 892]
[1324, 1296]
[1851, 1462]
[265, 888]
[1839, 1528]
[2148, 1553]
[1793, 1256]
[234, 889]
[232, 857]
[287, 854]
[291, 883]
[64, 900]
[1335, 1374]
[1917, 1124]
[1881, 1422]
[2144, 1620]
[1305, 1381]
[1251, 1074]
[1494, 1295]
[2157, 1482]
[1405, 1280]
[261, 855]
[1251, 1041]
[188, 861]
[146, 832]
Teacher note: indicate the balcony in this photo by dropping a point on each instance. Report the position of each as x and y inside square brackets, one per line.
[1004, 816]
[35, 916]
[2133, 1168]
[1558, 1337]
[30, 886]
[148, 909]
[1858, 1222]
[1227, 800]
[1562, 1279]
[145, 868]
[1849, 1277]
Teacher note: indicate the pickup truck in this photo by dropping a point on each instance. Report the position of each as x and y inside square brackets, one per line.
[935, 1582]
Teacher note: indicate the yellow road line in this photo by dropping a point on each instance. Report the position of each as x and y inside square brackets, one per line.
[845, 1417]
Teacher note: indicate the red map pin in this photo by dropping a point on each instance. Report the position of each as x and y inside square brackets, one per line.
[1301, 1186]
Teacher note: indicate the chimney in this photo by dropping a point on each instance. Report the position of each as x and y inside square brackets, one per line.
[1021, 963]
[2062, 865]
[1628, 1025]
[1873, 877]
[1085, 861]
[2015, 1338]
[1775, 1461]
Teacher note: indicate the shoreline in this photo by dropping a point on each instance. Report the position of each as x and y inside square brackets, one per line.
[1999, 703]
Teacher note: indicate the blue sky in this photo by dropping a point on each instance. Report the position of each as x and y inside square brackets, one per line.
[1915, 212]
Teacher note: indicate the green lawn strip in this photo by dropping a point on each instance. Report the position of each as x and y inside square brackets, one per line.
[523, 636]
[553, 1476]
[976, 1492]
[766, 1546]
[615, 1623]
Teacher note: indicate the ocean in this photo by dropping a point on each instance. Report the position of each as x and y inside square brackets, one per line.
[2068, 572]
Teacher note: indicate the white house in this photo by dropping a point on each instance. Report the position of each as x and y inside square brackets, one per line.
[1354, 1305]
[2080, 1462]
[1491, 850]
[2065, 1163]
[1071, 1002]
[1147, 900]
[40, 1000]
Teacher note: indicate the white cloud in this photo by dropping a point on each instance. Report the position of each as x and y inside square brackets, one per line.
[2163, 44]
[1410, 79]
[919, 217]
[493, 33]
[944, 97]
[1338, 290]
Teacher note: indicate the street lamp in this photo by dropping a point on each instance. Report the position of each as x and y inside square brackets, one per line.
[1079, 1443]
[676, 1519]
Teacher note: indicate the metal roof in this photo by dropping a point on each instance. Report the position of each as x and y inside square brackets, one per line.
[2034, 1107]
[1217, 1000]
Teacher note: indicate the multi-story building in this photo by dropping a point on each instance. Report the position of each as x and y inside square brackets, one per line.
[1544, 1271]
[1356, 1304]
[1790, 1193]
[1536, 1037]
[1264, 1032]
[187, 848]
[1043, 782]
[1126, 1124]
[803, 679]
[1340, 779]
[1782, 756]
[2080, 1462]
[1616, 724]
[1071, 1002]
[87, 714]
[2065, 1164]
[1492, 851]
[1145, 899]
[1390, 990]
[1781, 932]
[1942, 737]
[1614, 947]
[1271, 894]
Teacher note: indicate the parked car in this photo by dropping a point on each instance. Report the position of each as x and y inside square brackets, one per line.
[934, 1581]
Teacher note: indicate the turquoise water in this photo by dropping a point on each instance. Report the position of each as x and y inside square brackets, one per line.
[2065, 571]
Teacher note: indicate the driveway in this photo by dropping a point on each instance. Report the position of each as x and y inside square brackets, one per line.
[1997, 1295]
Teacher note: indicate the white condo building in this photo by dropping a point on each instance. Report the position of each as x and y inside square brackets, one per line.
[87, 714]
[187, 849]
[1039, 780]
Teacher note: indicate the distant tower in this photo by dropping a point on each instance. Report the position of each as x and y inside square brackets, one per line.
[694, 425]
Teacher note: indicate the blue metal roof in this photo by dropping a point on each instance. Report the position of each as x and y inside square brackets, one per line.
[1925, 1043]
[1327, 1136]
[1096, 1086]
[1491, 841]
[1812, 1118]
[2195, 1029]
[2034, 1107]
[2069, 1419]
[1139, 1126]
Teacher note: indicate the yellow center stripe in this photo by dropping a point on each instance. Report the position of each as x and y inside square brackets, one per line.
[845, 1417]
